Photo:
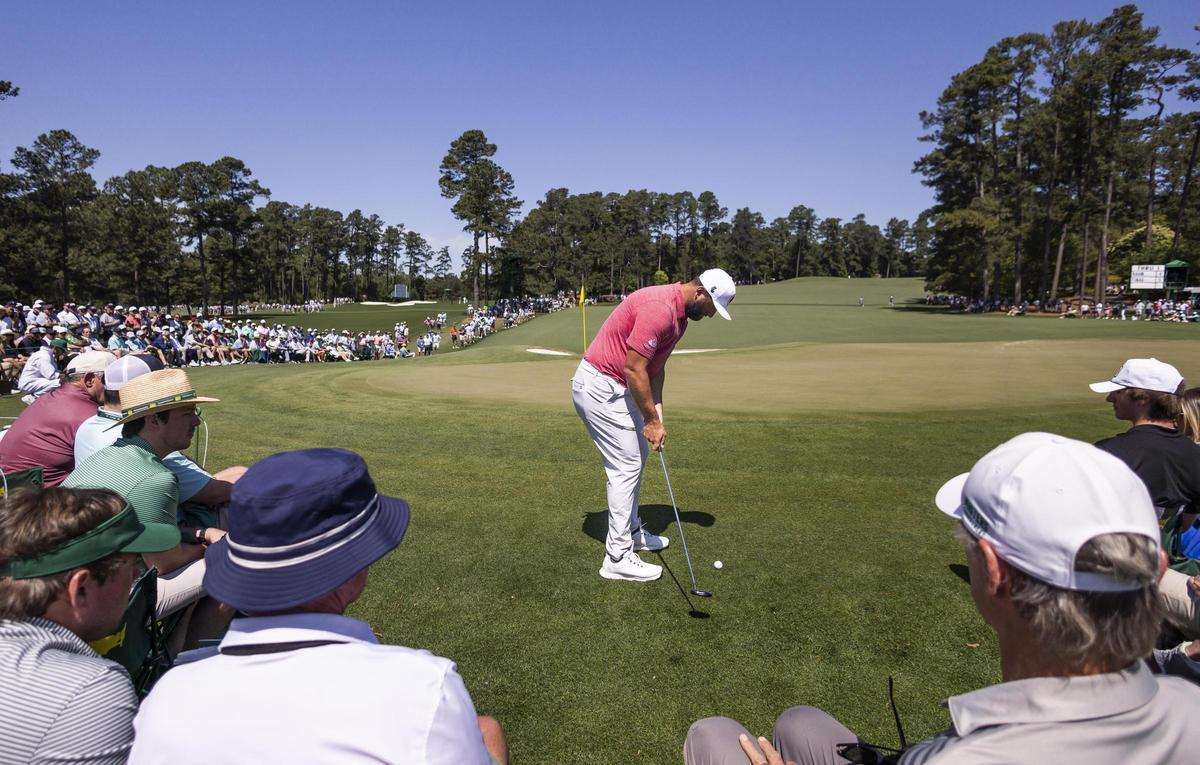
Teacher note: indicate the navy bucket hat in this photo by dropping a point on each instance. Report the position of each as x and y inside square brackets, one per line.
[300, 525]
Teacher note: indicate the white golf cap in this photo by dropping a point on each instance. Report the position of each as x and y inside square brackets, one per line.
[1038, 498]
[1147, 374]
[721, 287]
[128, 367]
[92, 361]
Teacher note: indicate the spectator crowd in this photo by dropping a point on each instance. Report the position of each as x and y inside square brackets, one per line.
[35, 340]
[1121, 308]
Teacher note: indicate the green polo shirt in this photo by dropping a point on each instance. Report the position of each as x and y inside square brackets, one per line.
[132, 469]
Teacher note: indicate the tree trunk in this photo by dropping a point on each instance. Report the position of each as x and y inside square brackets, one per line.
[221, 294]
[1083, 256]
[1062, 243]
[1152, 185]
[1050, 221]
[203, 276]
[1102, 260]
[1187, 184]
[64, 252]
[475, 268]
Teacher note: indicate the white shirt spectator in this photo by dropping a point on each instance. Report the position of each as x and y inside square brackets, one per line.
[40, 375]
[351, 702]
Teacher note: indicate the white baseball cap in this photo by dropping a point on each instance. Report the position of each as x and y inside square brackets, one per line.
[1038, 498]
[128, 367]
[92, 361]
[721, 287]
[1147, 374]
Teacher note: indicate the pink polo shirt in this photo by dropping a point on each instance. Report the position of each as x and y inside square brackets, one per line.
[44, 434]
[650, 322]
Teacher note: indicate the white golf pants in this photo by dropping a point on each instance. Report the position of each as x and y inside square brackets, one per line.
[615, 425]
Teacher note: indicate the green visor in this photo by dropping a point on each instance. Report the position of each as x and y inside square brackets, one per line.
[121, 533]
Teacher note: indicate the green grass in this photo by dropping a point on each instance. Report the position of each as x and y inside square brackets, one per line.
[805, 456]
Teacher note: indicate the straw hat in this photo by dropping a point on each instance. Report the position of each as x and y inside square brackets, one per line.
[159, 391]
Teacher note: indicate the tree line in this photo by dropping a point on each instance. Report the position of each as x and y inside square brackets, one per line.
[612, 243]
[1059, 160]
[198, 234]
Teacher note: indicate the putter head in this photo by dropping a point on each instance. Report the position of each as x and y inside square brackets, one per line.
[702, 593]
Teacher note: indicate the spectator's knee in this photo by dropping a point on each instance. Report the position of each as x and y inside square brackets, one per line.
[712, 740]
[800, 716]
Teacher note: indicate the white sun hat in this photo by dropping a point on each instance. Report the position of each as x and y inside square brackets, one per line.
[1038, 498]
[1147, 374]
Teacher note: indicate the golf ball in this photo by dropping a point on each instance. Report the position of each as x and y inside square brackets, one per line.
[718, 564]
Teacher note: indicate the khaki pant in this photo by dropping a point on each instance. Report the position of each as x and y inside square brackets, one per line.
[615, 426]
[1180, 603]
[804, 735]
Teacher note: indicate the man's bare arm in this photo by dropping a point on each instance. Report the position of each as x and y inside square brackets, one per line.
[637, 380]
[656, 391]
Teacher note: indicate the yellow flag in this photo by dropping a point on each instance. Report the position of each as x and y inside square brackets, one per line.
[583, 313]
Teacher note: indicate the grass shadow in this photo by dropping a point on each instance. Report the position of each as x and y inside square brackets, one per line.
[961, 571]
[656, 519]
[693, 612]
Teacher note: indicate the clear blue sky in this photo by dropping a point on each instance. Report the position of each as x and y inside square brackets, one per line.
[352, 104]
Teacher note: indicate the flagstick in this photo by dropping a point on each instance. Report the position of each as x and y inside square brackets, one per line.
[583, 311]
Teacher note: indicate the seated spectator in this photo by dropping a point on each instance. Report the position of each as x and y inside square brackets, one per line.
[160, 346]
[97, 432]
[89, 340]
[41, 372]
[44, 435]
[67, 562]
[27, 342]
[159, 417]
[1145, 392]
[305, 528]
[12, 361]
[1063, 552]
[215, 350]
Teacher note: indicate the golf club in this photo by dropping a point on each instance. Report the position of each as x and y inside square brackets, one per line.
[695, 590]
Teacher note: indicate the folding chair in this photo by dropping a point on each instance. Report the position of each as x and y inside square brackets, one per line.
[139, 643]
[20, 479]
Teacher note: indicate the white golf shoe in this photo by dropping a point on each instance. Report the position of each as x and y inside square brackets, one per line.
[644, 541]
[630, 568]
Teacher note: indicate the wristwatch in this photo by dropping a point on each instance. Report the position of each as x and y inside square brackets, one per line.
[200, 535]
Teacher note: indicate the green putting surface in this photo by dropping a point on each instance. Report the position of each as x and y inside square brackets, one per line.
[804, 454]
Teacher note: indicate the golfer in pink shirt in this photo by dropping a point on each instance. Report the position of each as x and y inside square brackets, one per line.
[617, 391]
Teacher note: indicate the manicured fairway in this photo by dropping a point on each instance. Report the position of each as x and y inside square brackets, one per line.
[805, 455]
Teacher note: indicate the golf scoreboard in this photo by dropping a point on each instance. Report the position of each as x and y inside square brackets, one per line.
[1147, 277]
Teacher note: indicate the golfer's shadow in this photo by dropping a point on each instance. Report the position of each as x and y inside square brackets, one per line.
[655, 519]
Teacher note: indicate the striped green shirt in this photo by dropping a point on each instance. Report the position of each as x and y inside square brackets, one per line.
[132, 469]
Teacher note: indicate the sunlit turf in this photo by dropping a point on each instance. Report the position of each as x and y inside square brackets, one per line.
[805, 456]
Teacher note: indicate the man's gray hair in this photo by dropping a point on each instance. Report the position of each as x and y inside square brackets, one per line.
[1109, 629]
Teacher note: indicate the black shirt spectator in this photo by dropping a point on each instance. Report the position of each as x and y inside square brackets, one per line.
[1167, 461]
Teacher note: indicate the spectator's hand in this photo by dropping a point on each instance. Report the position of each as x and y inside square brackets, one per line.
[656, 433]
[211, 535]
[1194, 586]
[768, 755]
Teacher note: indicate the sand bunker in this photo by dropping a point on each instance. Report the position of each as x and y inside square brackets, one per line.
[697, 350]
[548, 352]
